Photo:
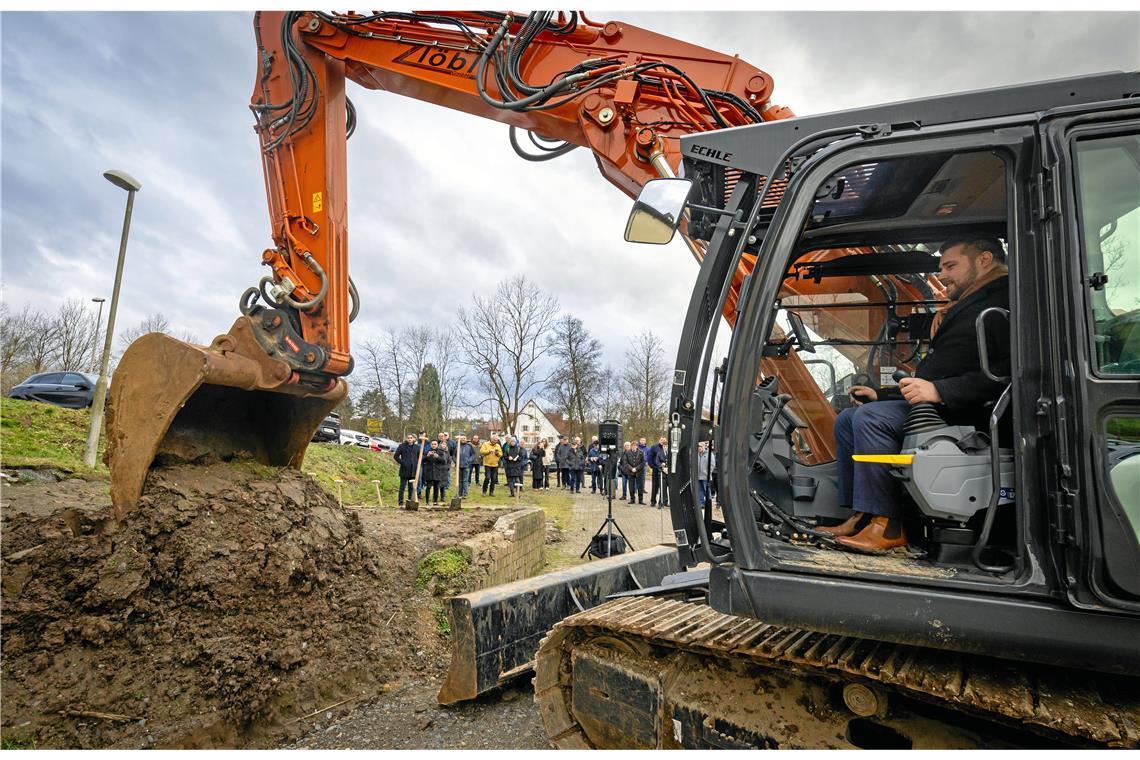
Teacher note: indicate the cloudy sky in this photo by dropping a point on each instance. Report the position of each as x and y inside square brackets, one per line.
[439, 204]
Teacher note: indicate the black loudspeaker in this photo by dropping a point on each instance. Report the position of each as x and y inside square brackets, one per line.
[609, 434]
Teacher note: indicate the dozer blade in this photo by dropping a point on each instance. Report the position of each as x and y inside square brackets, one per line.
[174, 401]
[496, 632]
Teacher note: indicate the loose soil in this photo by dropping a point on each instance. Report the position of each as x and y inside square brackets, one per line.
[234, 602]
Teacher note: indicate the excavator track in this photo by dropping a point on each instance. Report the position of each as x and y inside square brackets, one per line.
[645, 672]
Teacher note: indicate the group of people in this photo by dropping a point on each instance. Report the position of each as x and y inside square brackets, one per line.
[568, 463]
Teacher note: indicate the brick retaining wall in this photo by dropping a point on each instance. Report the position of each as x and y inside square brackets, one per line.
[511, 551]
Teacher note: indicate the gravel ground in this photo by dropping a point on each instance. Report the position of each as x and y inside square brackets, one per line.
[409, 718]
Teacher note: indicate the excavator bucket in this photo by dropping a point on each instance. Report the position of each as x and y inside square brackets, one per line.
[174, 401]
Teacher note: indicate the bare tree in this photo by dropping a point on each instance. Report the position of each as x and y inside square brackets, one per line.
[609, 397]
[152, 323]
[645, 380]
[449, 367]
[25, 344]
[502, 337]
[74, 333]
[576, 380]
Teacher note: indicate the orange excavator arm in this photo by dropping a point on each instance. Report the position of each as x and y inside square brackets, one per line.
[260, 390]
[625, 93]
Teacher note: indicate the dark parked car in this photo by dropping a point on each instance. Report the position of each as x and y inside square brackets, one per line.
[71, 389]
[329, 431]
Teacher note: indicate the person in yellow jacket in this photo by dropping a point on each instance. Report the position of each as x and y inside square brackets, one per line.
[491, 452]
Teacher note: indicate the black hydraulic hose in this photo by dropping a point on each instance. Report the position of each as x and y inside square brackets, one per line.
[522, 103]
[546, 155]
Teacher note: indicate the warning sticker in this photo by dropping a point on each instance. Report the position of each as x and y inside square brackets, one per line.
[318, 202]
[885, 376]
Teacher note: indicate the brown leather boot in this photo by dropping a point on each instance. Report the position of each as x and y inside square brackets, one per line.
[879, 537]
[852, 525]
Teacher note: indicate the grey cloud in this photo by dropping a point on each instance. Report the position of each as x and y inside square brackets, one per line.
[439, 205]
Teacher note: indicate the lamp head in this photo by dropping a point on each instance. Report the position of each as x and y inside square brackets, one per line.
[122, 179]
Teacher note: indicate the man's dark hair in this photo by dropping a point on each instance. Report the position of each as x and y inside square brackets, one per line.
[972, 246]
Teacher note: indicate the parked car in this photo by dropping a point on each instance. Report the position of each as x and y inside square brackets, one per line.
[355, 438]
[380, 443]
[329, 431]
[71, 389]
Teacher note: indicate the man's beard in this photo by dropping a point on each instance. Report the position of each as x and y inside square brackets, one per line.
[956, 291]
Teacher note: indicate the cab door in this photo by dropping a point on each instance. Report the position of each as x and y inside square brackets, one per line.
[1092, 199]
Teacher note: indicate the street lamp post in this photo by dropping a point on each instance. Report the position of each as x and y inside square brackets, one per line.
[131, 185]
[98, 324]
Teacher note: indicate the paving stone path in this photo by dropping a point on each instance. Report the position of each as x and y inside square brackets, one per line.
[644, 526]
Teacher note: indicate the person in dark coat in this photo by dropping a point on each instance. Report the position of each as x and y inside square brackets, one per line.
[593, 466]
[622, 473]
[407, 455]
[575, 460]
[477, 465]
[633, 465]
[438, 465]
[467, 454]
[538, 465]
[560, 462]
[514, 463]
[446, 441]
[949, 376]
[658, 463]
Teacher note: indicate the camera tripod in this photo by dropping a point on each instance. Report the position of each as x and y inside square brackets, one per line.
[609, 525]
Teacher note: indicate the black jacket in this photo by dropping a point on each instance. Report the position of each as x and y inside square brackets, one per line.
[632, 462]
[515, 462]
[438, 462]
[560, 454]
[537, 454]
[407, 455]
[952, 362]
[574, 459]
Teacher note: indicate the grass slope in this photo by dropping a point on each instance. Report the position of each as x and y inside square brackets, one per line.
[38, 435]
[35, 435]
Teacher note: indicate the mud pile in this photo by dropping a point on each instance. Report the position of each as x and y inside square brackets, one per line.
[231, 602]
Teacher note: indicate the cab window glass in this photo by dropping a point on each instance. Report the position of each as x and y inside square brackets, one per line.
[55, 378]
[1122, 438]
[1108, 184]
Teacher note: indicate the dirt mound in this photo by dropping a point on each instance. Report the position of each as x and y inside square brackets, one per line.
[232, 601]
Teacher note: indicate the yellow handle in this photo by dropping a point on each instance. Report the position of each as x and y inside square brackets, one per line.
[905, 459]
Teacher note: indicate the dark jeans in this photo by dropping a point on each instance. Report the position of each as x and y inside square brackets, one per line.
[597, 482]
[703, 492]
[574, 481]
[435, 490]
[873, 428]
[637, 488]
[490, 478]
[476, 468]
[659, 487]
[408, 483]
[515, 484]
[464, 480]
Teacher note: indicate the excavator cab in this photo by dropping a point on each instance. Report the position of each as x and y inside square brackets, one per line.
[1023, 516]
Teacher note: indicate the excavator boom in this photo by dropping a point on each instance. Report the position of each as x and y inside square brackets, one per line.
[624, 93]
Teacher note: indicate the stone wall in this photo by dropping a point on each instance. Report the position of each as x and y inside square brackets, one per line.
[511, 551]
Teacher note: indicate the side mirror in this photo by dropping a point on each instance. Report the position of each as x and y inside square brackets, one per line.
[802, 338]
[657, 211]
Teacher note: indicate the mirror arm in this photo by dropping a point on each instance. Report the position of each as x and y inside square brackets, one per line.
[712, 210]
